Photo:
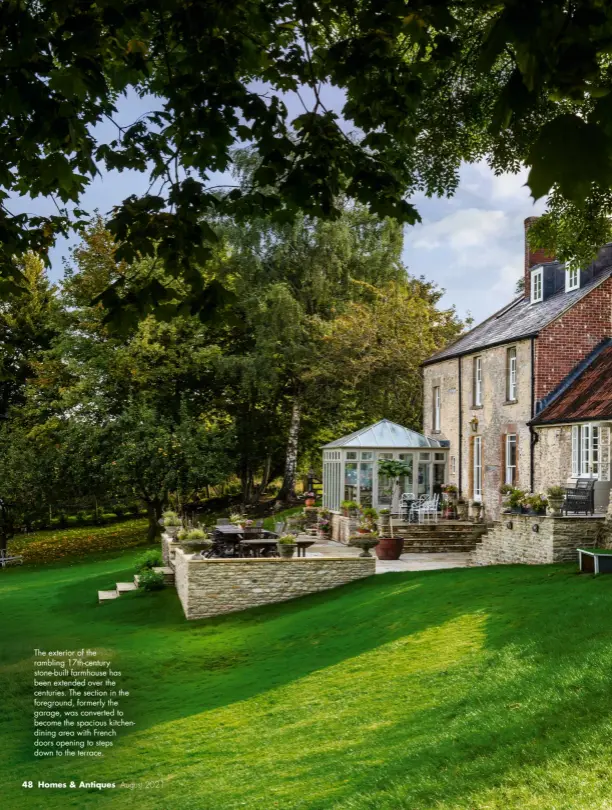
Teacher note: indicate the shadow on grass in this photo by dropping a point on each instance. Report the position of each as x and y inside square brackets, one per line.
[534, 689]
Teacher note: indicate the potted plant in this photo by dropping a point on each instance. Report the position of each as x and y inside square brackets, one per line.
[477, 508]
[324, 525]
[516, 500]
[310, 499]
[556, 496]
[462, 509]
[451, 491]
[391, 468]
[537, 504]
[505, 491]
[363, 541]
[194, 540]
[236, 518]
[384, 522]
[286, 546]
[370, 516]
[172, 523]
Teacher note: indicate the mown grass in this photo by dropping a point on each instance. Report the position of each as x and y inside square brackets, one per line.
[483, 688]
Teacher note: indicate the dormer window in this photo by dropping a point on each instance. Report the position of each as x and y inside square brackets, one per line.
[572, 277]
[537, 285]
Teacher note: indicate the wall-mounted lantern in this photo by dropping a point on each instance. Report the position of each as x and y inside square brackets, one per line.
[474, 424]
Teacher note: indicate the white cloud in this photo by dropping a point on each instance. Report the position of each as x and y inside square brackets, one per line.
[463, 229]
[474, 249]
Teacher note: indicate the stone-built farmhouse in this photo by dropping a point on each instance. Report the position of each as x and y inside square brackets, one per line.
[525, 398]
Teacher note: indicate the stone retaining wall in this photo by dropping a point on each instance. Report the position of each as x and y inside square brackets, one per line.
[342, 527]
[555, 540]
[211, 587]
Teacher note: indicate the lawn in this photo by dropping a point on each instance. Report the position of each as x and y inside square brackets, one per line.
[473, 688]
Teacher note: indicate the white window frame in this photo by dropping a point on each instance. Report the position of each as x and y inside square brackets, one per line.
[478, 381]
[511, 381]
[537, 285]
[436, 408]
[453, 465]
[585, 451]
[477, 471]
[572, 277]
[509, 477]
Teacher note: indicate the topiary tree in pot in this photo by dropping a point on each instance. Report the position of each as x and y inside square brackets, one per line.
[394, 469]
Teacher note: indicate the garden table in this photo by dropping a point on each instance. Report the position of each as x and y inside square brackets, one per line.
[302, 545]
[260, 546]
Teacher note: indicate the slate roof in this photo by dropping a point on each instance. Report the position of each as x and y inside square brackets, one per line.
[583, 396]
[520, 319]
[384, 434]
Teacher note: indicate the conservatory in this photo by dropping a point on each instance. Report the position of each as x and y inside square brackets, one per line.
[350, 465]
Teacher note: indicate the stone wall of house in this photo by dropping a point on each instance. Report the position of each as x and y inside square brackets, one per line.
[513, 540]
[496, 417]
[552, 457]
[212, 587]
[571, 337]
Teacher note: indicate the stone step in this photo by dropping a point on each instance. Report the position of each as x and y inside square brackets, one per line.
[123, 587]
[106, 596]
[438, 549]
[168, 574]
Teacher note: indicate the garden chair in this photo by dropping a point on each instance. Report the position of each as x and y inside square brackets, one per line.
[428, 510]
[279, 527]
[580, 498]
[413, 512]
[406, 501]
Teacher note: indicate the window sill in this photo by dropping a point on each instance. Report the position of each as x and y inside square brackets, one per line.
[477, 407]
[437, 432]
[510, 402]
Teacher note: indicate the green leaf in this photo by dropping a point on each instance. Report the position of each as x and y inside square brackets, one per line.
[572, 154]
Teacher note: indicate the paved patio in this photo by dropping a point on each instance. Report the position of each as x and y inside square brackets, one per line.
[407, 562]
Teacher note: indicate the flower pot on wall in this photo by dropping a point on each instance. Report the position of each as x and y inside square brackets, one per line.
[555, 505]
[384, 523]
[286, 550]
[389, 548]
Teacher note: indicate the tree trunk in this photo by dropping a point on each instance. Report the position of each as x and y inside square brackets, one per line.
[154, 513]
[288, 488]
[265, 480]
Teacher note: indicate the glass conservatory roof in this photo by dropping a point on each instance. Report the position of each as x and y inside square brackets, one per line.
[384, 434]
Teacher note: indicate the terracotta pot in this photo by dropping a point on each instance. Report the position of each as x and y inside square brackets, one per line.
[309, 502]
[389, 548]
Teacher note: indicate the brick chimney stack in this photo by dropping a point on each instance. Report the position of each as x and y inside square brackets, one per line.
[533, 256]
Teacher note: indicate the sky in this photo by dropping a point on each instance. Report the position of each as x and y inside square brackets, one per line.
[471, 244]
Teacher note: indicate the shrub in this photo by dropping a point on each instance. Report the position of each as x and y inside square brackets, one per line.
[516, 497]
[150, 580]
[505, 489]
[349, 505]
[556, 492]
[287, 540]
[195, 534]
[385, 512]
[120, 509]
[537, 503]
[149, 559]
[171, 519]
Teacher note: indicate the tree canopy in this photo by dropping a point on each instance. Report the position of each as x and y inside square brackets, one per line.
[425, 85]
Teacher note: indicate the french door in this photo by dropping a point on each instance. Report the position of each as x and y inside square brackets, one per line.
[477, 468]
